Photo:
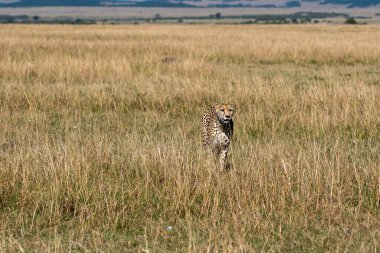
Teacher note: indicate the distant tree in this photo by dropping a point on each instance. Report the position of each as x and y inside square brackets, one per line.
[180, 20]
[36, 18]
[156, 17]
[350, 21]
[10, 19]
[218, 15]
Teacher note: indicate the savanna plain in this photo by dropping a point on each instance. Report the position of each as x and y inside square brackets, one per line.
[100, 145]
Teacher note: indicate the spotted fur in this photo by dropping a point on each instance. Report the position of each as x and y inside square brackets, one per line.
[217, 131]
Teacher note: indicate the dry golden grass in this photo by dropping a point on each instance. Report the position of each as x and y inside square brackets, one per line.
[100, 146]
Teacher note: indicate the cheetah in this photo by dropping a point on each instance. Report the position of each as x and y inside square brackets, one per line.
[217, 131]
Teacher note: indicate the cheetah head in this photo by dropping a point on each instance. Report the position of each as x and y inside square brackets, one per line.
[224, 112]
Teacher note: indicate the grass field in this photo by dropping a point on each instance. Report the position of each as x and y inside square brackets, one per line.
[100, 146]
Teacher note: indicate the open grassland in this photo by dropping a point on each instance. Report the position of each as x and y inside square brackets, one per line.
[100, 146]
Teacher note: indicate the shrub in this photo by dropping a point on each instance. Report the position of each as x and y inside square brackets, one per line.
[350, 21]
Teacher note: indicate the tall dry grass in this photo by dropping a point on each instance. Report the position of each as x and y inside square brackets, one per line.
[100, 146]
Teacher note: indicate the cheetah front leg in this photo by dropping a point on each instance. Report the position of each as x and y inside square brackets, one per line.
[223, 158]
[216, 153]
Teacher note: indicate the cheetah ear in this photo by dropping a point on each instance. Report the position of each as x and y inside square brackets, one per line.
[216, 108]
